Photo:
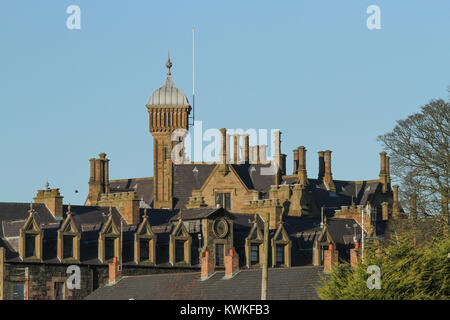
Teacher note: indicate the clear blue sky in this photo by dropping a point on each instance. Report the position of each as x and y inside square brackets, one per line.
[309, 68]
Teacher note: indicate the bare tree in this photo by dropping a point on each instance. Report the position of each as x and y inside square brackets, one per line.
[419, 151]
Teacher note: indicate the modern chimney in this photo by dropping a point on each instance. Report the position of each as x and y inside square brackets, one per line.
[207, 266]
[231, 264]
[114, 271]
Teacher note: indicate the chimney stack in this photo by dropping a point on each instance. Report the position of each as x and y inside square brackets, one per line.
[231, 264]
[246, 148]
[384, 171]
[328, 177]
[52, 199]
[295, 153]
[263, 153]
[302, 175]
[257, 154]
[321, 166]
[114, 271]
[277, 157]
[99, 179]
[227, 139]
[330, 258]
[223, 153]
[207, 266]
[236, 148]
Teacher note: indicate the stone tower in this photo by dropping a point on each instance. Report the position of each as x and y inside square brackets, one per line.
[168, 110]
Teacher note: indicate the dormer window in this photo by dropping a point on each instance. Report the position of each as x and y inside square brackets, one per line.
[31, 237]
[109, 240]
[254, 245]
[69, 240]
[180, 245]
[145, 243]
[281, 248]
[109, 248]
[30, 246]
[68, 246]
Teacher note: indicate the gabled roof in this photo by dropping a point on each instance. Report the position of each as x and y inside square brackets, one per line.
[188, 177]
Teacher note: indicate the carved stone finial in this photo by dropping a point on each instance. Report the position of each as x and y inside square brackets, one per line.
[168, 64]
[47, 185]
[69, 212]
[145, 214]
[31, 209]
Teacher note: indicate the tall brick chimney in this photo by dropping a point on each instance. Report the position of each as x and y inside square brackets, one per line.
[223, 146]
[246, 149]
[257, 154]
[328, 177]
[231, 264]
[321, 166]
[354, 255]
[236, 148]
[52, 199]
[207, 266]
[277, 157]
[330, 258]
[99, 179]
[263, 153]
[383, 172]
[302, 174]
[114, 271]
[295, 156]
[227, 140]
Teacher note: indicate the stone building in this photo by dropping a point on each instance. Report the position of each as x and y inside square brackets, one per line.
[189, 216]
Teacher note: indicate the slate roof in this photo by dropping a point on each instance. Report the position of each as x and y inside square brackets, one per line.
[188, 177]
[296, 283]
[142, 186]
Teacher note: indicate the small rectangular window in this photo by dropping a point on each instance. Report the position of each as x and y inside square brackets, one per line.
[109, 248]
[68, 247]
[280, 255]
[254, 254]
[224, 200]
[30, 246]
[179, 251]
[144, 249]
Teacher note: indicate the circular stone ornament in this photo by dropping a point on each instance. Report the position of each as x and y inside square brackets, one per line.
[221, 228]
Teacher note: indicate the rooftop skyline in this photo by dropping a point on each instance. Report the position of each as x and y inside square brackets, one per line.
[311, 69]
